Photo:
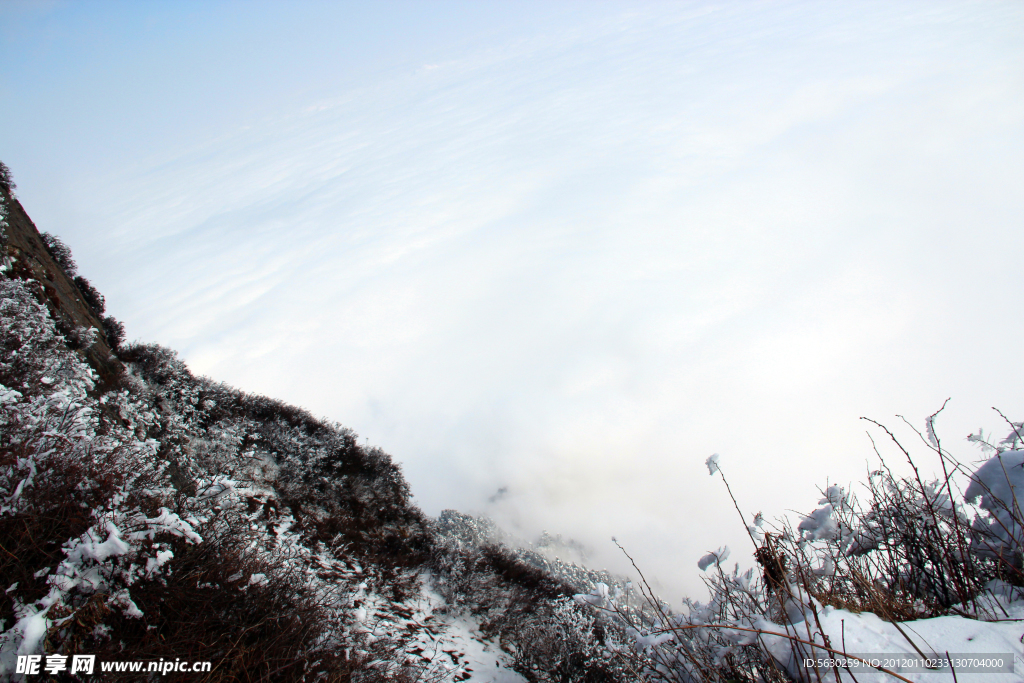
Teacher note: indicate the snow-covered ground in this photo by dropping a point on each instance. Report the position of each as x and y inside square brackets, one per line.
[451, 642]
[899, 647]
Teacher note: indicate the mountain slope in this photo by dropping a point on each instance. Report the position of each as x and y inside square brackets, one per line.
[151, 514]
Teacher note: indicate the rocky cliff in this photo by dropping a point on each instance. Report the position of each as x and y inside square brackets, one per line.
[26, 257]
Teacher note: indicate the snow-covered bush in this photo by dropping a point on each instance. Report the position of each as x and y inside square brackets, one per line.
[527, 608]
[998, 486]
[80, 497]
[176, 517]
[912, 549]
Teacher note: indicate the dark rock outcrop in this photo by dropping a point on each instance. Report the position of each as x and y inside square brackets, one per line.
[25, 256]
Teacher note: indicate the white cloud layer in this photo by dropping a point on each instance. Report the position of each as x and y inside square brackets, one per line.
[577, 259]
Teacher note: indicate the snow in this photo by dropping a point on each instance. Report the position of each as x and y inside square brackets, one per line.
[460, 641]
[123, 599]
[33, 627]
[596, 598]
[714, 558]
[450, 644]
[166, 521]
[819, 524]
[153, 564]
[999, 483]
[258, 579]
[867, 634]
[87, 547]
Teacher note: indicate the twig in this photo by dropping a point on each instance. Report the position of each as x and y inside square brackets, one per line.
[842, 626]
[1012, 426]
[737, 506]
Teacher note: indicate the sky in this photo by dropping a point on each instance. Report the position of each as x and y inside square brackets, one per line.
[563, 250]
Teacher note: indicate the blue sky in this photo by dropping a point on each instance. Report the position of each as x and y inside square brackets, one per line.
[569, 248]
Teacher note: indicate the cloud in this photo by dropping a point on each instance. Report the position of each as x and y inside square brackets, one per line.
[570, 264]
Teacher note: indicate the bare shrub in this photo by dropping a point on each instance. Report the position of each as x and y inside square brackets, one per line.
[909, 550]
